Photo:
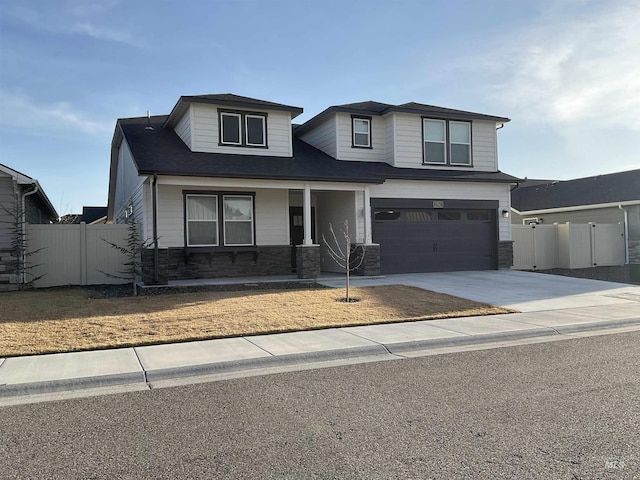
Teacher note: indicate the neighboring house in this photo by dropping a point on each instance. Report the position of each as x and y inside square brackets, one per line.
[612, 198]
[226, 186]
[33, 207]
[89, 215]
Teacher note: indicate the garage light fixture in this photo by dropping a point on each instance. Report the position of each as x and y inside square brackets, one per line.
[505, 213]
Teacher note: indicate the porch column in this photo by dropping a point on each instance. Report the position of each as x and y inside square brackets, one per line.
[367, 216]
[306, 218]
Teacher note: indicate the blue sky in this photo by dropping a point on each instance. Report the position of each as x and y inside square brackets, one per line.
[567, 73]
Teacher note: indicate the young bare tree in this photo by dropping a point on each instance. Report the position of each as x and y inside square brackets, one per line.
[344, 257]
[133, 250]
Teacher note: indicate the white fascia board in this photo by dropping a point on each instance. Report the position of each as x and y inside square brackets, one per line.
[215, 182]
[576, 208]
[21, 178]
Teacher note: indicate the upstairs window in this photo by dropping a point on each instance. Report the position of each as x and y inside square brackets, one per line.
[243, 129]
[460, 143]
[446, 142]
[230, 128]
[361, 127]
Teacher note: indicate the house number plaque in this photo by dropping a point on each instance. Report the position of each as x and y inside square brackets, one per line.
[438, 204]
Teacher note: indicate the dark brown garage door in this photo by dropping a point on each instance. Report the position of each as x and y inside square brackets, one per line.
[434, 240]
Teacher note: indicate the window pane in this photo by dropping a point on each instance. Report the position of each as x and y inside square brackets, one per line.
[361, 139]
[449, 215]
[418, 216]
[433, 131]
[460, 154]
[460, 132]
[202, 208]
[360, 125]
[238, 208]
[203, 233]
[238, 233]
[387, 215]
[255, 131]
[480, 215]
[434, 152]
[230, 128]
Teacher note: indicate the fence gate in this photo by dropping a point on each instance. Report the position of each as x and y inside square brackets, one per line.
[568, 245]
[76, 254]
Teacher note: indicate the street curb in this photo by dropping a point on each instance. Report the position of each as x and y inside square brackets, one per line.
[401, 347]
[604, 325]
[49, 386]
[262, 362]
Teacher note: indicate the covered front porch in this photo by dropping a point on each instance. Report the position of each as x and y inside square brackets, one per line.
[217, 228]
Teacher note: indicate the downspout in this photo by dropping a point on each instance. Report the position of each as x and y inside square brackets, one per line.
[156, 253]
[626, 234]
[23, 222]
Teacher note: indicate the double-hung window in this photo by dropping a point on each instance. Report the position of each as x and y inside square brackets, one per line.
[238, 220]
[215, 219]
[361, 128]
[446, 142]
[242, 129]
[202, 220]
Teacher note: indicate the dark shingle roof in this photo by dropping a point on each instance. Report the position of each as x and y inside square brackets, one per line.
[228, 100]
[611, 188]
[376, 108]
[161, 151]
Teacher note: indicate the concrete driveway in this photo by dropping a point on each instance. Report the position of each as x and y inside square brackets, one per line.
[523, 291]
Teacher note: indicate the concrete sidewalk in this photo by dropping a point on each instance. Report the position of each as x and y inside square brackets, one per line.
[552, 308]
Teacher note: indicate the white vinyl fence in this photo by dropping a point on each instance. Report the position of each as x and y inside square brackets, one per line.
[567, 245]
[76, 254]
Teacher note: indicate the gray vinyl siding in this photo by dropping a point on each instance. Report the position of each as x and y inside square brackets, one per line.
[127, 181]
[183, 128]
[35, 211]
[205, 133]
[333, 209]
[377, 152]
[452, 191]
[323, 136]
[7, 201]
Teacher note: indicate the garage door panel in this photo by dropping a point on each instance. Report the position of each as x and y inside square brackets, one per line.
[436, 241]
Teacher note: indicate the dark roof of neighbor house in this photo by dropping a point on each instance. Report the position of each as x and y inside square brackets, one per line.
[23, 179]
[600, 189]
[227, 100]
[91, 214]
[371, 107]
[161, 151]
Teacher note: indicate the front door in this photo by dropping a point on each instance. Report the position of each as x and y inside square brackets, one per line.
[296, 230]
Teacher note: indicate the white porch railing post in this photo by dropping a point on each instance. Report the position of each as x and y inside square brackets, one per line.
[367, 216]
[307, 215]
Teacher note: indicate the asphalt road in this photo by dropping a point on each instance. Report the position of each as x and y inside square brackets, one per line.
[567, 409]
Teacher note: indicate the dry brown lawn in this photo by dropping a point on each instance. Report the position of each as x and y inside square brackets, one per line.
[63, 320]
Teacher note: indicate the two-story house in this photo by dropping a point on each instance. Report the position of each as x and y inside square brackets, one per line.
[227, 186]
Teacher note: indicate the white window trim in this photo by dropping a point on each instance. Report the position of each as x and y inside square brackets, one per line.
[224, 221]
[468, 124]
[217, 222]
[353, 129]
[239, 117]
[443, 142]
[264, 130]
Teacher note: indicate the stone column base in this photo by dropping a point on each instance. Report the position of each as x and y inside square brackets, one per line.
[371, 264]
[308, 261]
[505, 254]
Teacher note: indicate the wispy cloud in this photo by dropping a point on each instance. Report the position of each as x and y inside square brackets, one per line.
[21, 112]
[101, 33]
[577, 63]
[83, 19]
